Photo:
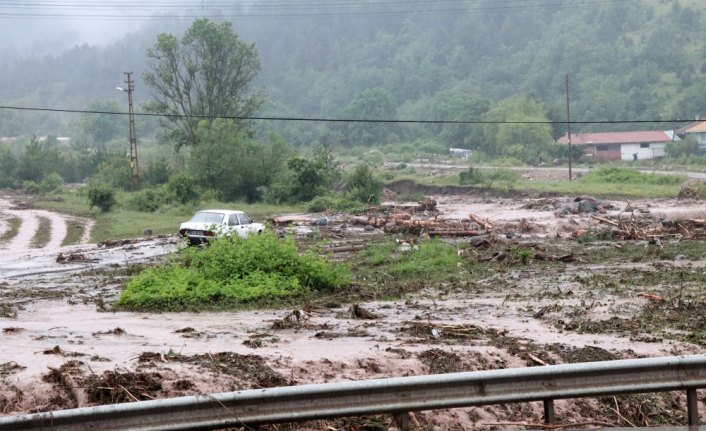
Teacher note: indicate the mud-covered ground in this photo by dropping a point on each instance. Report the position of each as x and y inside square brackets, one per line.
[578, 295]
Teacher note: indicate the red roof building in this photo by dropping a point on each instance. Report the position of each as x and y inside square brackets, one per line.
[622, 145]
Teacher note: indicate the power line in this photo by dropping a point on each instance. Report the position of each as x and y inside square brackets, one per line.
[339, 120]
[296, 10]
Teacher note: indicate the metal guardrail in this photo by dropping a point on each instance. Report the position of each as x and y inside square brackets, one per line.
[394, 395]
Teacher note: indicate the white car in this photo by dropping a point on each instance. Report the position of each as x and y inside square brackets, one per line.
[207, 224]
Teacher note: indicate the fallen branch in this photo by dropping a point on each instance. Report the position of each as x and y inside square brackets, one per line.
[605, 220]
[485, 224]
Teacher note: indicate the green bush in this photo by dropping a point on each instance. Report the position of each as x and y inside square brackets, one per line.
[102, 196]
[184, 188]
[31, 187]
[51, 182]
[233, 272]
[362, 185]
[335, 203]
[487, 178]
[619, 175]
[147, 200]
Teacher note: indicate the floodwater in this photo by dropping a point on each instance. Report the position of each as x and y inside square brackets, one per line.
[329, 345]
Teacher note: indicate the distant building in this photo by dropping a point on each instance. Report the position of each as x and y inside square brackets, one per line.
[696, 129]
[622, 145]
[460, 153]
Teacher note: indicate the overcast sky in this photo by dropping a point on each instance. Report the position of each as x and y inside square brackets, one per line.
[47, 25]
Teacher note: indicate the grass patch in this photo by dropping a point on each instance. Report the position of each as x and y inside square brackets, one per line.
[13, 224]
[43, 234]
[233, 273]
[122, 223]
[74, 232]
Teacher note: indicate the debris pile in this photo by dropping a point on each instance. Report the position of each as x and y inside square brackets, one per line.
[643, 229]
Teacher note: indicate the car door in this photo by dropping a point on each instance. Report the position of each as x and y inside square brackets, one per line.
[245, 224]
[234, 224]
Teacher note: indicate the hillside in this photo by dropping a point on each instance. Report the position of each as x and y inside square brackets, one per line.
[627, 60]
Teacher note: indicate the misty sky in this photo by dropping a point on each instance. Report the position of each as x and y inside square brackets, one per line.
[46, 26]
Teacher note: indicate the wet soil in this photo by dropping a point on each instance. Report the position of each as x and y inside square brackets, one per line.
[63, 348]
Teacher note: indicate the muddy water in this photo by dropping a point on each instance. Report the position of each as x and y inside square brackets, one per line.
[83, 333]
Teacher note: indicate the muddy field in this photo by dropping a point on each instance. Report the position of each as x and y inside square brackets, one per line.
[623, 280]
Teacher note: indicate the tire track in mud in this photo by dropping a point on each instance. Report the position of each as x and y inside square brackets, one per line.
[30, 223]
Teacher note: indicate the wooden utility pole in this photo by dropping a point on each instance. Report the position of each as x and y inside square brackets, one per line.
[568, 124]
[134, 167]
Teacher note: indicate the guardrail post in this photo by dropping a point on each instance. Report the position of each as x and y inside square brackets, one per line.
[692, 407]
[549, 411]
[403, 421]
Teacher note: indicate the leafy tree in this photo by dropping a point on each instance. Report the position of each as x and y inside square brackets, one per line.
[459, 106]
[305, 178]
[34, 162]
[183, 187]
[207, 74]
[98, 129]
[522, 131]
[233, 164]
[157, 173]
[8, 162]
[115, 171]
[371, 104]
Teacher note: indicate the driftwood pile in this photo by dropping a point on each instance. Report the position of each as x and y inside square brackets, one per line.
[640, 229]
[421, 219]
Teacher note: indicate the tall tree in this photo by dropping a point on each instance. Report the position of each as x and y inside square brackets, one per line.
[206, 75]
[101, 128]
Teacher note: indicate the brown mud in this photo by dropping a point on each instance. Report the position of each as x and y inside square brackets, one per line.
[614, 299]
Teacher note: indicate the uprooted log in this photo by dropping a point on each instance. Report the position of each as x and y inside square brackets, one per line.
[479, 221]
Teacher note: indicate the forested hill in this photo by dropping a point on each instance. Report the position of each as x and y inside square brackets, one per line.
[428, 60]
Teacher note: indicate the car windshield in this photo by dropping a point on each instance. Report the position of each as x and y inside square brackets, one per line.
[208, 217]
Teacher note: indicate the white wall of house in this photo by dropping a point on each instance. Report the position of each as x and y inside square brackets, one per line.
[644, 151]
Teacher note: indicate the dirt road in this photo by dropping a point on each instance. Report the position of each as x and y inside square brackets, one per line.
[54, 323]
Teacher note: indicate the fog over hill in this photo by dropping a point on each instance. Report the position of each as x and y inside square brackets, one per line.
[627, 59]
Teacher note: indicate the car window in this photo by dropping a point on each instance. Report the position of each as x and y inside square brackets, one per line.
[233, 220]
[208, 217]
[244, 219]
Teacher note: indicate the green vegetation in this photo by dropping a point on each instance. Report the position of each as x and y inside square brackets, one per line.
[612, 181]
[101, 196]
[74, 232]
[233, 273]
[43, 234]
[488, 178]
[13, 229]
[618, 175]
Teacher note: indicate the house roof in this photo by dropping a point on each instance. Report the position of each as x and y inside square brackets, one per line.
[617, 137]
[699, 127]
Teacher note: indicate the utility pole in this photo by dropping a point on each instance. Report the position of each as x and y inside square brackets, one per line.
[134, 166]
[568, 124]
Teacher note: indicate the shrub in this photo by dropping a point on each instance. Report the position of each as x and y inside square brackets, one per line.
[618, 175]
[232, 272]
[102, 196]
[31, 187]
[362, 185]
[184, 188]
[51, 183]
[147, 200]
[334, 203]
